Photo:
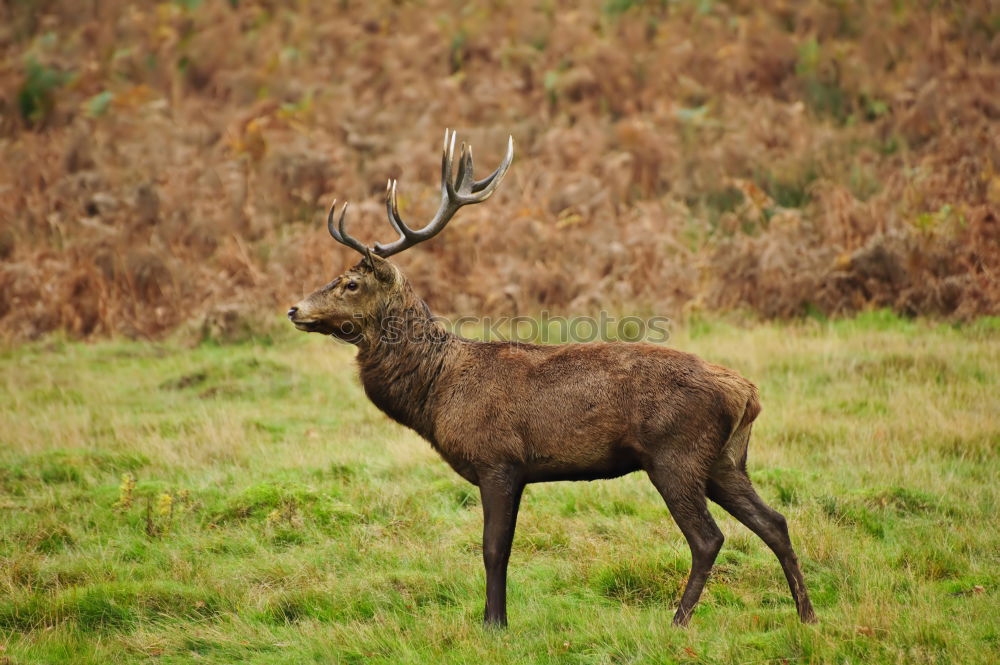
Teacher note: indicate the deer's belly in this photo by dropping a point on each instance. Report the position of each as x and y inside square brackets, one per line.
[569, 466]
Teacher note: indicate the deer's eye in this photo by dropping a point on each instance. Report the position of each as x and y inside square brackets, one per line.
[352, 286]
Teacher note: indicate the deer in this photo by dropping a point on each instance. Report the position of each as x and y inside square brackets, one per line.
[506, 414]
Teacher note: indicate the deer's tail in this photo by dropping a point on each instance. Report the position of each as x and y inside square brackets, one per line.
[734, 450]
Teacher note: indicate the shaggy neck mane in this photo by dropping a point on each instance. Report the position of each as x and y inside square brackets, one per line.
[401, 356]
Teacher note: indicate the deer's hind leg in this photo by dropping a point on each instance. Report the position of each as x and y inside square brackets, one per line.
[730, 487]
[684, 494]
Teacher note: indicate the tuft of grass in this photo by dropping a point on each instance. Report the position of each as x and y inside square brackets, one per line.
[641, 582]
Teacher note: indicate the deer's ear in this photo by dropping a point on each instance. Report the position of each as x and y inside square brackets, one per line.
[381, 268]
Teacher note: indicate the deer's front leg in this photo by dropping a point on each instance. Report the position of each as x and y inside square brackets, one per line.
[500, 490]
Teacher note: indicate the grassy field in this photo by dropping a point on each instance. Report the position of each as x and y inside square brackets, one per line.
[246, 503]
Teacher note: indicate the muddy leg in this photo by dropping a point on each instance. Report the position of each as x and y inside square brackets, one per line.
[732, 489]
[500, 491]
[686, 500]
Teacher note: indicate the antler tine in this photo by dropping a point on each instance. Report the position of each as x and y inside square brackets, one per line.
[392, 210]
[447, 188]
[338, 232]
[463, 190]
[496, 177]
[464, 178]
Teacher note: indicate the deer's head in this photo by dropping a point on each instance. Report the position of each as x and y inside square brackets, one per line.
[352, 303]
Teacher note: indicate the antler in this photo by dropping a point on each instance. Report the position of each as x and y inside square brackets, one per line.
[465, 190]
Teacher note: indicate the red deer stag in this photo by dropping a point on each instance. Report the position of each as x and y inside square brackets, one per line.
[507, 414]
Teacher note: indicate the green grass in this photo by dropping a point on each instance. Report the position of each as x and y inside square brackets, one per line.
[247, 504]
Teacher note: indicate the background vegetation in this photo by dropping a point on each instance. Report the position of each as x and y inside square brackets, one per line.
[172, 161]
[247, 504]
[165, 168]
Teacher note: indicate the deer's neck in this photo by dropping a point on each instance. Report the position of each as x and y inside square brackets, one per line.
[401, 363]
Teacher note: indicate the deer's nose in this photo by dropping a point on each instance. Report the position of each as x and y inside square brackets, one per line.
[292, 311]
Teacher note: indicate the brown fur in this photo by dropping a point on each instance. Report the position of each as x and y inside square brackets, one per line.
[506, 414]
